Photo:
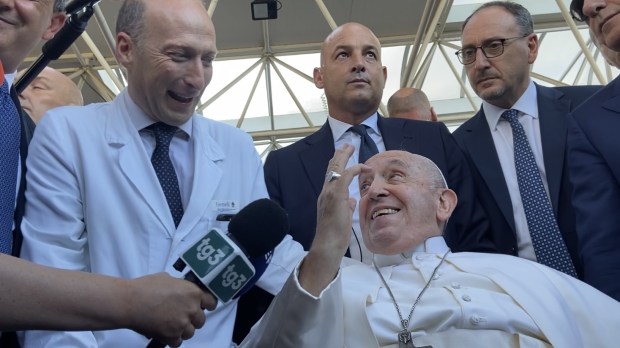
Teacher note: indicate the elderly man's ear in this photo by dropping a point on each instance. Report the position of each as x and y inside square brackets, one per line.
[447, 203]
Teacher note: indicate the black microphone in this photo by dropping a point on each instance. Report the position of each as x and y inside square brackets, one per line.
[227, 265]
[54, 48]
[77, 5]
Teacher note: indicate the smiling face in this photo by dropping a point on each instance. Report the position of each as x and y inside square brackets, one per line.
[171, 64]
[500, 80]
[402, 202]
[604, 21]
[22, 24]
[351, 73]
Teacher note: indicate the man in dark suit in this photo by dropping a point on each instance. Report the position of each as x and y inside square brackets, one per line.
[353, 78]
[33, 296]
[594, 160]
[498, 47]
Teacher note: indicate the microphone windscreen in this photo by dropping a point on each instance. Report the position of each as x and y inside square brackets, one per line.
[259, 227]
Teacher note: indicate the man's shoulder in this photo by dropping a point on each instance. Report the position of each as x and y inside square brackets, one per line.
[467, 125]
[407, 127]
[302, 144]
[91, 115]
[219, 128]
[576, 94]
[223, 136]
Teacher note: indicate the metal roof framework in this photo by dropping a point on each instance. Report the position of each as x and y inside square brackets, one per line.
[262, 77]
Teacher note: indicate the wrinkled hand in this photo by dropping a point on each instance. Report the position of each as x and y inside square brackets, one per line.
[334, 220]
[166, 308]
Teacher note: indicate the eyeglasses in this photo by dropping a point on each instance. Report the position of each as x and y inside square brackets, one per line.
[490, 49]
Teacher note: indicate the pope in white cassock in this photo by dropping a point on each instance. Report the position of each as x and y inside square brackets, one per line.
[418, 293]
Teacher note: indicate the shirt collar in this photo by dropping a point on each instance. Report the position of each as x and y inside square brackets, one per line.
[432, 245]
[526, 105]
[9, 78]
[339, 128]
[140, 120]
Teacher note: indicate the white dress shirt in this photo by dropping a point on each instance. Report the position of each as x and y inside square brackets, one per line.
[501, 132]
[342, 135]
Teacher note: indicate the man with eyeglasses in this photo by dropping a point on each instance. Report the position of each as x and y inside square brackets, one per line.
[516, 142]
[594, 160]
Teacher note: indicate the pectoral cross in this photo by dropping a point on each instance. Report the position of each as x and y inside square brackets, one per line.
[405, 340]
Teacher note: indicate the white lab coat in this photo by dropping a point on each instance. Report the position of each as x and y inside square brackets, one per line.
[95, 204]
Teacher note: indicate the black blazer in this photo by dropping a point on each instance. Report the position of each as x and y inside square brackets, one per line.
[474, 138]
[594, 167]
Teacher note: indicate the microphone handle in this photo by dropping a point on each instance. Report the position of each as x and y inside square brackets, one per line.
[190, 277]
[156, 344]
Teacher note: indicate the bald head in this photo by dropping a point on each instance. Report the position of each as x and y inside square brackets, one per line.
[50, 89]
[344, 32]
[351, 73]
[411, 103]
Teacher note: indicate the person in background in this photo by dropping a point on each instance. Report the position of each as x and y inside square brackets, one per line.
[411, 103]
[594, 161]
[124, 188]
[516, 143]
[37, 297]
[50, 89]
[417, 292]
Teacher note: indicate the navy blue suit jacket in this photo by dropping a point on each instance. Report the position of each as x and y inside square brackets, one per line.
[27, 130]
[295, 175]
[475, 139]
[594, 168]
[9, 339]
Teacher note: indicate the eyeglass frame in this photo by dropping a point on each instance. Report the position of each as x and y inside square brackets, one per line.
[459, 53]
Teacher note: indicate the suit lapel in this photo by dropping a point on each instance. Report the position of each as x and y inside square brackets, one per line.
[135, 164]
[315, 158]
[552, 112]
[613, 103]
[392, 133]
[207, 176]
[479, 141]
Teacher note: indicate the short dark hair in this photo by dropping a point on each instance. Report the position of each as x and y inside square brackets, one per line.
[576, 11]
[520, 13]
[130, 20]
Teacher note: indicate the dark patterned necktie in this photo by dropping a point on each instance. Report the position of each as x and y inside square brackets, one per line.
[547, 240]
[9, 157]
[165, 170]
[368, 148]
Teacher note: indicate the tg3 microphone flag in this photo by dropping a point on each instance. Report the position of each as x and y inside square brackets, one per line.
[218, 263]
[226, 264]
